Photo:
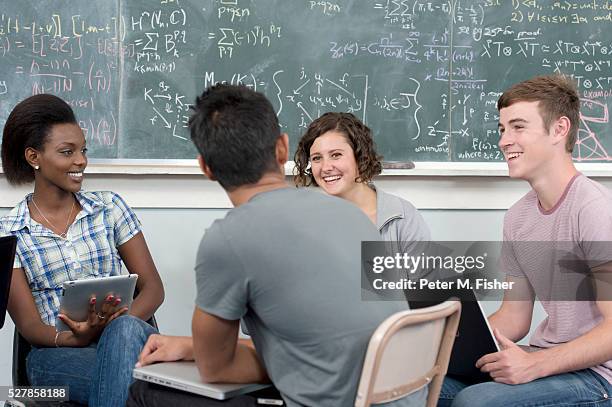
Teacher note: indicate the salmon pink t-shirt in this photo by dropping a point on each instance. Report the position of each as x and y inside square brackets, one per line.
[553, 248]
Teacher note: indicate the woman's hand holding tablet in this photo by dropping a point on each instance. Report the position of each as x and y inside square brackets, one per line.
[88, 305]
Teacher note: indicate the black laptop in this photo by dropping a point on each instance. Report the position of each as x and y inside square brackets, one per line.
[474, 339]
[7, 258]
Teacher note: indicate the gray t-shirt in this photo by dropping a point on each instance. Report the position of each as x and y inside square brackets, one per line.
[581, 218]
[288, 263]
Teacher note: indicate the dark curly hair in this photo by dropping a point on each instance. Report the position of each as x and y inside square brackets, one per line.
[28, 125]
[358, 135]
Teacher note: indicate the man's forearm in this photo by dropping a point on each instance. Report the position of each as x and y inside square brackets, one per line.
[508, 325]
[588, 350]
[513, 318]
[245, 367]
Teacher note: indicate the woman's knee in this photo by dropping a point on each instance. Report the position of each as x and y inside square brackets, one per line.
[128, 327]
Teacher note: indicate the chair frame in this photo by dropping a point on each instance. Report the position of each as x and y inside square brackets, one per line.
[450, 311]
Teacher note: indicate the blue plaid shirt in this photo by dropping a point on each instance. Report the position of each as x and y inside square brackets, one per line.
[89, 250]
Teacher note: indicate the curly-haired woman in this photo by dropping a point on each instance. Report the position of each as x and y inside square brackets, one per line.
[337, 153]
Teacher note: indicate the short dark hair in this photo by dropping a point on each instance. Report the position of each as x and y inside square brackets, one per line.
[558, 97]
[359, 137]
[28, 125]
[235, 129]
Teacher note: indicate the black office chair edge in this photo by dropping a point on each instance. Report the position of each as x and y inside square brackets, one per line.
[21, 348]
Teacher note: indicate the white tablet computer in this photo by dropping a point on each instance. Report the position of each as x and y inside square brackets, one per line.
[75, 297]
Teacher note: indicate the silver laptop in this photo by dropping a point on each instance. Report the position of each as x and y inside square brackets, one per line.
[185, 376]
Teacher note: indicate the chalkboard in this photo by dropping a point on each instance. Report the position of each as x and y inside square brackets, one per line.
[424, 75]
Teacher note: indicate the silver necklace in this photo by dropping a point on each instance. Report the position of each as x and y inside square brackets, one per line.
[62, 235]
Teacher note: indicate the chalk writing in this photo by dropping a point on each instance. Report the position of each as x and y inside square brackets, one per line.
[425, 75]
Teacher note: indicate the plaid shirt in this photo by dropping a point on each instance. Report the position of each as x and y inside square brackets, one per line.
[104, 223]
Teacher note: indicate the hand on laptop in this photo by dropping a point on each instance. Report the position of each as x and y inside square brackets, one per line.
[162, 348]
[511, 365]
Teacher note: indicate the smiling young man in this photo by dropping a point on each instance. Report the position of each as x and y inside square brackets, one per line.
[572, 364]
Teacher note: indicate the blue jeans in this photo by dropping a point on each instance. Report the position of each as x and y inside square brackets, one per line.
[98, 375]
[580, 388]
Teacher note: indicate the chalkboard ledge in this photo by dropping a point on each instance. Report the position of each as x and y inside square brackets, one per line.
[190, 167]
[488, 169]
[443, 169]
[143, 167]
